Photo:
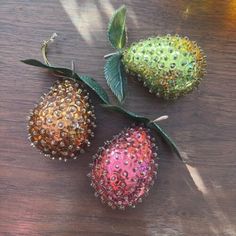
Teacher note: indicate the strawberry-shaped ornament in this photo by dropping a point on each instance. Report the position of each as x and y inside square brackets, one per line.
[62, 123]
[124, 169]
[169, 66]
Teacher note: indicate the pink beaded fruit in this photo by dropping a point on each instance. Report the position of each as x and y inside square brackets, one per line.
[124, 169]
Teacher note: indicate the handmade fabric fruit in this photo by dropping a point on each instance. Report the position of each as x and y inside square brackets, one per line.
[124, 169]
[169, 66]
[61, 125]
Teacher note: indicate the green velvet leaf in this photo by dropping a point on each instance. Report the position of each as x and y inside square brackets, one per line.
[60, 70]
[166, 138]
[115, 76]
[116, 28]
[34, 62]
[90, 82]
[129, 114]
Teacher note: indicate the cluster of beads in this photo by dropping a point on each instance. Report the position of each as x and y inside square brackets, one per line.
[62, 123]
[124, 169]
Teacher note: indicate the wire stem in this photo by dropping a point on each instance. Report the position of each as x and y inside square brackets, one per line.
[45, 46]
[160, 119]
[111, 54]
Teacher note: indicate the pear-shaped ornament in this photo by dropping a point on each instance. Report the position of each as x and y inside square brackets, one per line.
[169, 66]
[61, 124]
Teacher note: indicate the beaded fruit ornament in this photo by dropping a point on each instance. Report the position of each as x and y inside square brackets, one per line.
[124, 169]
[169, 66]
[62, 123]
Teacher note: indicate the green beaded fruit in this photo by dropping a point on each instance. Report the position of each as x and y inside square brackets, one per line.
[169, 66]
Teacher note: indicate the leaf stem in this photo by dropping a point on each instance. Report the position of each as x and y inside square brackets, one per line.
[160, 119]
[44, 48]
[111, 54]
[73, 68]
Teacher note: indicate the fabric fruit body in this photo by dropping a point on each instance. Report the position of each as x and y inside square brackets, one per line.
[124, 169]
[170, 66]
[61, 124]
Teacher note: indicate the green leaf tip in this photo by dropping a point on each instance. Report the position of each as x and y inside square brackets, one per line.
[34, 62]
[68, 73]
[117, 28]
[115, 76]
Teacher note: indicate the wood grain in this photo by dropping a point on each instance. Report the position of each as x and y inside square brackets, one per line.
[43, 197]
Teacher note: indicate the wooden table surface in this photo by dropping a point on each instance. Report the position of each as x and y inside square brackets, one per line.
[44, 197]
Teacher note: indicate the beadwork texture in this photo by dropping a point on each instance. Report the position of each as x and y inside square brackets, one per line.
[61, 124]
[124, 169]
[170, 66]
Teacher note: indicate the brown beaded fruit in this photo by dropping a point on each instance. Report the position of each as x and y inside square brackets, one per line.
[61, 124]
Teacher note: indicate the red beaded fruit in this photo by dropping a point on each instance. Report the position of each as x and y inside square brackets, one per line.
[124, 169]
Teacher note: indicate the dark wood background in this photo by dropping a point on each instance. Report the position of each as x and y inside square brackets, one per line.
[43, 197]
